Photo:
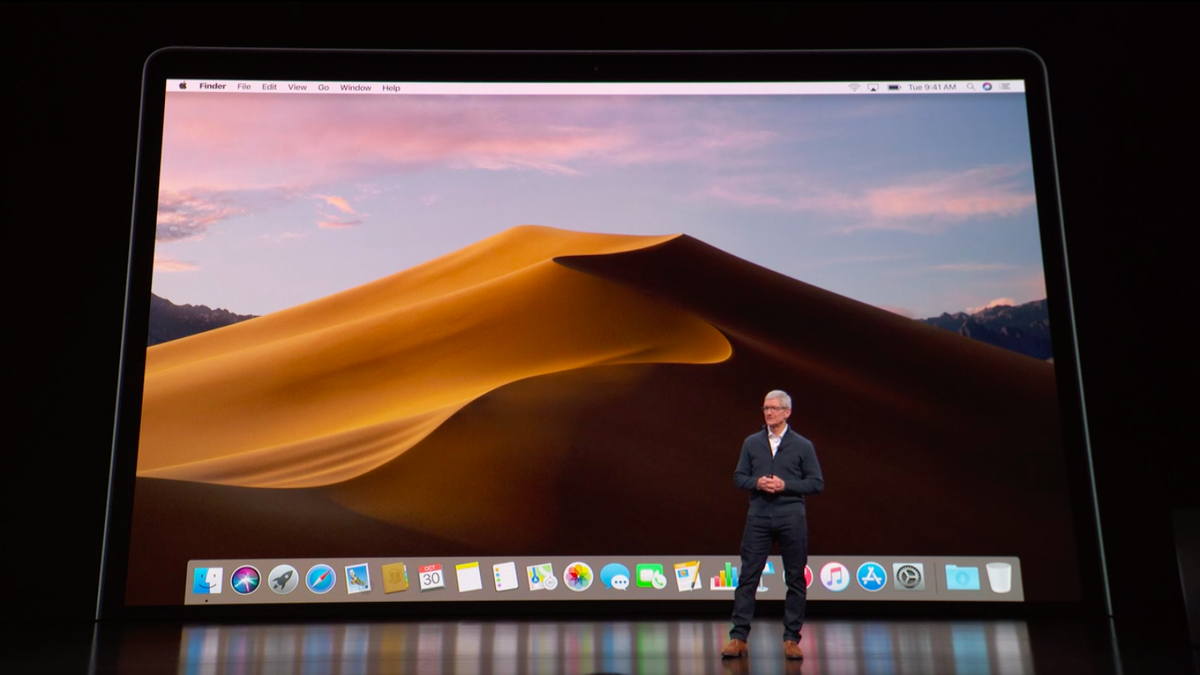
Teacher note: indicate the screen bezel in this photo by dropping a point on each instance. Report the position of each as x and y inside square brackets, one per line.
[743, 66]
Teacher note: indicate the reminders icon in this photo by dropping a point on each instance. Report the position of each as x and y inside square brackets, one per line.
[506, 576]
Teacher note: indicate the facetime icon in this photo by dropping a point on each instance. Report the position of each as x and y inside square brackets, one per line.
[650, 575]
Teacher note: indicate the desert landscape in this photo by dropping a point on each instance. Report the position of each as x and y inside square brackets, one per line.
[553, 392]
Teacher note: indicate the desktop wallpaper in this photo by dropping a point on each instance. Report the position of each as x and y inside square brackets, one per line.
[542, 325]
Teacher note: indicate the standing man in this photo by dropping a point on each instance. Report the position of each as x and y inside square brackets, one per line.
[778, 467]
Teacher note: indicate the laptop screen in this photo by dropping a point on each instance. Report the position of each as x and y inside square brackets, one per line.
[412, 341]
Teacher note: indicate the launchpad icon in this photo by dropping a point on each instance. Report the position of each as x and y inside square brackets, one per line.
[283, 579]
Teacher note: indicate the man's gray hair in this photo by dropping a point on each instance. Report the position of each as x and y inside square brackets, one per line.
[782, 396]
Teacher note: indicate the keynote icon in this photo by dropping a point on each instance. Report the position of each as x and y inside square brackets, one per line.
[962, 578]
[615, 575]
[578, 576]
[320, 578]
[908, 576]
[283, 579]
[358, 578]
[395, 578]
[999, 577]
[245, 580]
[769, 568]
[835, 577]
[650, 575]
[871, 576]
[207, 580]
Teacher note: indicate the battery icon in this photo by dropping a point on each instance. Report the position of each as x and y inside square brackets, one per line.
[893, 87]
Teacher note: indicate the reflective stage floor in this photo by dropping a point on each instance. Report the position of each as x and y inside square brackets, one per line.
[500, 647]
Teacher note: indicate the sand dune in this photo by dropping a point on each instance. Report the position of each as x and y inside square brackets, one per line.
[329, 390]
[930, 442]
[565, 438]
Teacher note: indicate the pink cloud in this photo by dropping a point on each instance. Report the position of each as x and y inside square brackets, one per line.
[338, 224]
[338, 203]
[164, 263]
[988, 191]
[250, 142]
[994, 303]
[922, 204]
[187, 215]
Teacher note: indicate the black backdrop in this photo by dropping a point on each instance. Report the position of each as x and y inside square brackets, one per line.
[1118, 82]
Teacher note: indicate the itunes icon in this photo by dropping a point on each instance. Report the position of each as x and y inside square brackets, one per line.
[835, 577]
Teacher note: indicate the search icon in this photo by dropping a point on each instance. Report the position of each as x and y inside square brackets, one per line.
[971, 86]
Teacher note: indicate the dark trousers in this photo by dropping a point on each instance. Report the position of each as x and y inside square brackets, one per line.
[791, 532]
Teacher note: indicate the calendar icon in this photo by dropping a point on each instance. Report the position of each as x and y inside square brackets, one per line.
[431, 577]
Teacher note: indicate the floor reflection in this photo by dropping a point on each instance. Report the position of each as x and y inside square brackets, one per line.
[644, 647]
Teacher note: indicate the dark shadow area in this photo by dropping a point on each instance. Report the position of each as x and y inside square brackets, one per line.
[1117, 79]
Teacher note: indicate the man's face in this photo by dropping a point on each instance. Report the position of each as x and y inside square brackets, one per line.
[774, 412]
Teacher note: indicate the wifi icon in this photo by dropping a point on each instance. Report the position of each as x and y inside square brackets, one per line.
[854, 87]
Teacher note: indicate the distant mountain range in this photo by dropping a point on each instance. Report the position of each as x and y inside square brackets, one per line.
[1024, 329]
[169, 321]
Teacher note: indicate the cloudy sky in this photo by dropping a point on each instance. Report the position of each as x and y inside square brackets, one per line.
[917, 204]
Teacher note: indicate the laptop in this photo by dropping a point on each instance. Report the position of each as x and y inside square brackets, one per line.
[409, 331]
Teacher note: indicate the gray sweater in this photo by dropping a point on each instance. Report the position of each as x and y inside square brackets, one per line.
[795, 462]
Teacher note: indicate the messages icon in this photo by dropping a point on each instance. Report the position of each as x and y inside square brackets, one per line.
[962, 578]
[615, 575]
[651, 576]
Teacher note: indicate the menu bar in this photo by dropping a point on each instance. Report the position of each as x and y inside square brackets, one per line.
[865, 88]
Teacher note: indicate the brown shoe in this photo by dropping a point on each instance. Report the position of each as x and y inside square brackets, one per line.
[734, 649]
[792, 650]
